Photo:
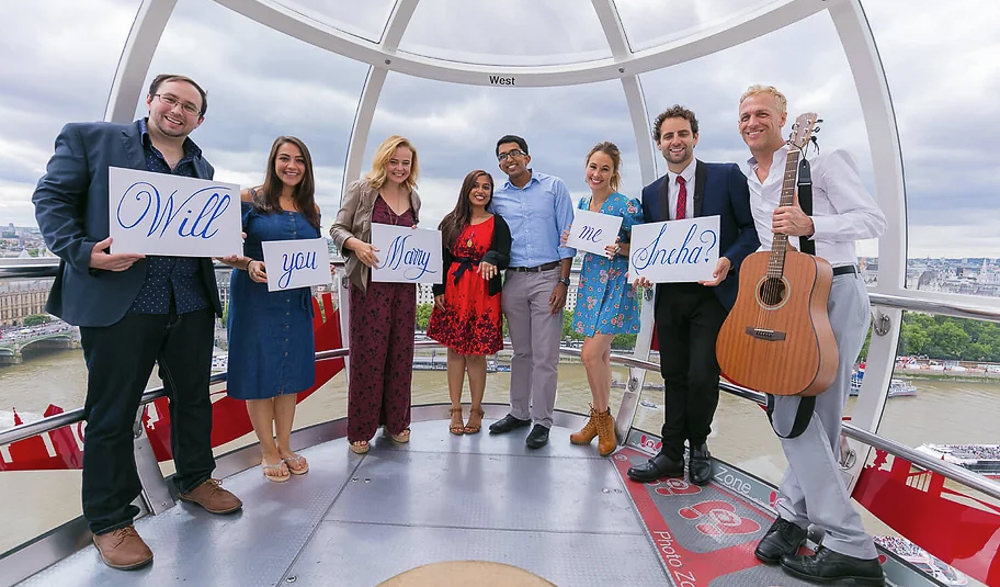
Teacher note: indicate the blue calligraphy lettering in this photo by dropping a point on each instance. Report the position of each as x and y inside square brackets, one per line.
[686, 254]
[414, 260]
[590, 234]
[142, 202]
[292, 262]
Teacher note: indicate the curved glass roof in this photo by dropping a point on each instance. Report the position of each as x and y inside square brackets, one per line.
[363, 19]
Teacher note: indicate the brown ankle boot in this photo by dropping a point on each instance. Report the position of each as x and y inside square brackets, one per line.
[586, 434]
[606, 441]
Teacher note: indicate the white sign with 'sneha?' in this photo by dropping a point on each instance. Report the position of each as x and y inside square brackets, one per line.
[675, 251]
[408, 255]
[296, 263]
[163, 214]
[593, 231]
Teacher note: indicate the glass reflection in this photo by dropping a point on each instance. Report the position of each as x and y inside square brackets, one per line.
[363, 19]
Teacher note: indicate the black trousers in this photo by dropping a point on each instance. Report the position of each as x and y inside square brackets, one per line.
[688, 319]
[119, 360]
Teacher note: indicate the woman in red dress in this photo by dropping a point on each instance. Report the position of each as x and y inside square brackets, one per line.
[466, 316]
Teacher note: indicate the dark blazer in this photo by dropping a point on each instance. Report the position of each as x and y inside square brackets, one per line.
[719, 189]
[498, 255]
[71, 207]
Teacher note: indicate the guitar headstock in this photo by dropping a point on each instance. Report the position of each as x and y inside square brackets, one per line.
[802, 129]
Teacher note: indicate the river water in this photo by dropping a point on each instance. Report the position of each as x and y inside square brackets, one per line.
[943, 411]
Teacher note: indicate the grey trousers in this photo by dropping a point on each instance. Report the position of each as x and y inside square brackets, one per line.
[534, 332]
[813, 491]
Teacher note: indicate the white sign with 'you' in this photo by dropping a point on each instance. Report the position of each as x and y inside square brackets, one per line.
[675, 251]
[409, 255]
[163, 214]
[593, 231]
[296, 263]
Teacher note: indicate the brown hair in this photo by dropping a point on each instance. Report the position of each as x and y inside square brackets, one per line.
[455, 221]
[675, 111]
[171, 77]
[268, 199]
[611, 150]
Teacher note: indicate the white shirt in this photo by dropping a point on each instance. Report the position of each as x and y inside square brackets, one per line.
[673, 190]
[843, 210]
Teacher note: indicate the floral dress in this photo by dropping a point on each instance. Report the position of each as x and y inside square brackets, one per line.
[605, 302]
[471, 323]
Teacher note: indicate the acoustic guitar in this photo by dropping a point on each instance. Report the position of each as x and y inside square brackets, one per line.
[777, 338]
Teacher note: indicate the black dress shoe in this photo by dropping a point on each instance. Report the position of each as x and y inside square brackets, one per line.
[659, 466]
[827, 566]
[700, 465]
[507, 423]
[782, 538]
[538, 437]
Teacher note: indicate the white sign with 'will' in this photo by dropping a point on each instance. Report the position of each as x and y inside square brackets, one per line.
[593, 232]
[408, 255]
[163, 214]
[675, 251]
[291, 264]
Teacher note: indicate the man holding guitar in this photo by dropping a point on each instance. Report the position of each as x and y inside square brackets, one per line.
[688, 315]
[812, 491]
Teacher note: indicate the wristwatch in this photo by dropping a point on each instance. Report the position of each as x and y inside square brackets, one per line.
[564, 281]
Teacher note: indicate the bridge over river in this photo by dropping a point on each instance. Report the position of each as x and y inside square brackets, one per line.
[13, 345]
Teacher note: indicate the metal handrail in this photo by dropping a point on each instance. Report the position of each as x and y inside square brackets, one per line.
[949, 470]
[989, 313]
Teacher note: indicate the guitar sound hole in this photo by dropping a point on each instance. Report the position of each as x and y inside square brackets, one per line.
[772, 291]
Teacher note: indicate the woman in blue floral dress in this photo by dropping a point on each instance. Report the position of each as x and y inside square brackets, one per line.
[606, 304]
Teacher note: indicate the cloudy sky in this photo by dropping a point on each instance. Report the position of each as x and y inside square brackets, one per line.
[942, 61]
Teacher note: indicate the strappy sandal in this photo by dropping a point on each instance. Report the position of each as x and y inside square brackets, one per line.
[471, 428]
[459, 428]
[273, 472]
[359, 447]
[401, 438]
[297, 465]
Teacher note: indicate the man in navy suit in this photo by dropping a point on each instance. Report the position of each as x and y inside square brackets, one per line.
[133, 311]
[689, 315]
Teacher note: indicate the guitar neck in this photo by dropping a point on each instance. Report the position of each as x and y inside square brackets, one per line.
[776, 262]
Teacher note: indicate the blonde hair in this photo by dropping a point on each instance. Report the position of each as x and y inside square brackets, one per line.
[779, 98]
[385, 151]
[611, 150]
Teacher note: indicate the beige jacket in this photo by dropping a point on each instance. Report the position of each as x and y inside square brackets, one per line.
[355, 219]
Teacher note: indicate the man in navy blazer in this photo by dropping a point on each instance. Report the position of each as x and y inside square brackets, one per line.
[689, 315]
[133, 311]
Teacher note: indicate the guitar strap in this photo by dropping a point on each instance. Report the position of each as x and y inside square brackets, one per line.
[806, 404]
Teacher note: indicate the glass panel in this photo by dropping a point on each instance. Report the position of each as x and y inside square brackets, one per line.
[363, 19]
[54, 79]
[951, 222]
[711, 86]
[516, 32]
[454, 129]
[648, 24]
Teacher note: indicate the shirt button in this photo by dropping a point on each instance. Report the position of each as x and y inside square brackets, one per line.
[286, 353]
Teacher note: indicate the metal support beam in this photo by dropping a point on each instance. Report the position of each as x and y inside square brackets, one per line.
[133, 65]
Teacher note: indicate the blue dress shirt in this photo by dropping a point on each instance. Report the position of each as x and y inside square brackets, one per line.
[537, 214]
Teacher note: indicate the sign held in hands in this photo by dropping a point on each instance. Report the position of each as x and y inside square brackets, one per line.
[296, 263]
[593, 231]
[161, 214]
[675, 251]
[408, 255]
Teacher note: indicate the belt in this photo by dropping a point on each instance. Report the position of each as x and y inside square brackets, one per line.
[542, 267]
[845, 270]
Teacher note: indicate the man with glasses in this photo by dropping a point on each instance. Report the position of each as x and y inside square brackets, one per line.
[538, 208]
[132, 311]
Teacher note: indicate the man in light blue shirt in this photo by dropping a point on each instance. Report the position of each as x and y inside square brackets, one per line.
[538, 208]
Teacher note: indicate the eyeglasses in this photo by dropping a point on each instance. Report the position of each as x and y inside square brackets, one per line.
[171, 101]
[511, 153]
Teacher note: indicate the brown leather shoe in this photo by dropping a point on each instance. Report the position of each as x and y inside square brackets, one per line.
[606, 440]
[211, 496]
[586, 434]
[123, 549]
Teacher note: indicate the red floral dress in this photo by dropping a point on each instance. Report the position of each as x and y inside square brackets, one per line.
[471, 323]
